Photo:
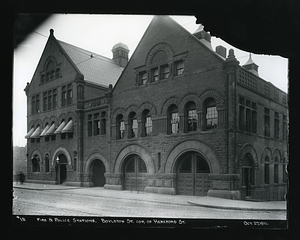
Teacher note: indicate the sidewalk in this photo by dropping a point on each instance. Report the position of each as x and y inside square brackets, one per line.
[209, 202]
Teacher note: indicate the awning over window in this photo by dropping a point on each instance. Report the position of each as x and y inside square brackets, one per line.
[68, 128]
[60, 127]
[44, 131]
[50, 130]
[36, 133]
[29, 133]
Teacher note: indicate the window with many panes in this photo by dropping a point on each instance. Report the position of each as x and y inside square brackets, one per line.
[164, 71]
[143, 78]
[35, 104]
[247, 115]
[276, 170]
[179, 67]
[191, 117]
[133, 125]
[147, 123]
[96, 124]
[120, 127]
[173, 120]
[154, 74]
[103, 123]
[284, 126]
[210, 114]
[267, 170]
[267, 122]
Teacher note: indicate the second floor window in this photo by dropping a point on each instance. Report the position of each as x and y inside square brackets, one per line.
[179, 67]
[35, 104]
[120, 127]
[133, 125]
[173, 120]
[267, 122]
[276, 125]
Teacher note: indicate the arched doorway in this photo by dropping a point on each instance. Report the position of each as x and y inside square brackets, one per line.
[61, 166]
[192, 175]
[98, 170]
[248, 173]
[135, 173]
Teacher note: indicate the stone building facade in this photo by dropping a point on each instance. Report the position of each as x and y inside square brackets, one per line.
[177, 118]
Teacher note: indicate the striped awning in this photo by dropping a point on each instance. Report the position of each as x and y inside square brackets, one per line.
[36, 133]
[29, 133]
[68, 128]
[51, 130]
[45, 130]
[60, 127]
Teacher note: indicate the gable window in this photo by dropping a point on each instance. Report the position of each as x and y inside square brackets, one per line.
[165, 71]
[191, 117]
[267, 122]
[133, 125]
[154, 74]
[143, 78]
[147, 123]
[210, 114]
[173, 119]
[276, 125]
[120, 127]
[179, 67]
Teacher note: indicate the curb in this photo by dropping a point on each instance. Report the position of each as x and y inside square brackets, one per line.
[236, 208]
[43, 189]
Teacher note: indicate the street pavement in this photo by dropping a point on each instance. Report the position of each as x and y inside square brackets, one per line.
[209, 202]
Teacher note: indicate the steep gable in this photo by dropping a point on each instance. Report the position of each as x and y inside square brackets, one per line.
[164, 33]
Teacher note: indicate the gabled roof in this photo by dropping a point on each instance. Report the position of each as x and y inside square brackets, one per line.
[95, 68]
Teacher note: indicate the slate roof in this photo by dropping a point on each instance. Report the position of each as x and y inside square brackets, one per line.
[95, 68]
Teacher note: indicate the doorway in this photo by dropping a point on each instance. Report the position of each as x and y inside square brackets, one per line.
[61, 166]
[98, 170]
[248, 174]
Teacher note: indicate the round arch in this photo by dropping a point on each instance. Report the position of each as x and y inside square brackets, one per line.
[116, 113]
[212, 94]
[58, 151]
[247, 148]
[194, 146]
[134, 149]
[149, 107]
[167, 103]
[93, 157]
[36, 152]
[276, 153]
[189, 98]
[266, 152]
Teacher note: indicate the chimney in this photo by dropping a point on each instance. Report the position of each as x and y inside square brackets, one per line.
[203, 36]
[221, 51]
[120, 54]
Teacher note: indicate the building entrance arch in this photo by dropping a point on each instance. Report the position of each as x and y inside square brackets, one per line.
[134, 169]
[192, 174]
[61, 168]
[97, 169]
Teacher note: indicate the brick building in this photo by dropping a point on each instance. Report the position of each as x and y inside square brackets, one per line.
[177, 118]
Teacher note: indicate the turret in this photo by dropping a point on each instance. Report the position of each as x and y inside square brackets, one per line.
[120, 54]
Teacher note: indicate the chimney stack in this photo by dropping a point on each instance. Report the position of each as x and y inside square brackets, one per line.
[221, 51]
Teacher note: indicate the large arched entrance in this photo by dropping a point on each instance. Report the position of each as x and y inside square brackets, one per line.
[192, 175]
[98, 170]
[134, 173]
[61, 166]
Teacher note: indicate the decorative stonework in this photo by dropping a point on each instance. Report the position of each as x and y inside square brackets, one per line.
[159, 47]
[63, 151]
[247, 148]
[266, 152]
[96, 103]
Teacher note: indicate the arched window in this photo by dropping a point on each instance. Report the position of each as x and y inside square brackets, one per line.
[173, 119]
[276, 172]
[210, 114]
[267, 170]
[191, 117]
[35, 163]
[248, 173]
[47, 163]
[120, 127]
[147, 123]
[133, 125]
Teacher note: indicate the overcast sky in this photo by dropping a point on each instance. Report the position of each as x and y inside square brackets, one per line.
[98, 34]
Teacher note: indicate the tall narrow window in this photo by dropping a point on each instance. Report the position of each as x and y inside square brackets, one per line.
[254, 118]
[267, 122]
[47, 163]
[37, 98]
[90, 125]
[69, 94]
[45, 101]
[49, 100]
[173, 120]
[147, 123]
[179, 68]
[276, 172]
[284, 130]
[267, 170]
[120, 127]
[96, 123]
[133, 125]
[103, 123]
[276, 125]
[284, 174]
[54, 98]
[64, 96]
[211, 114]
[191, 117]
